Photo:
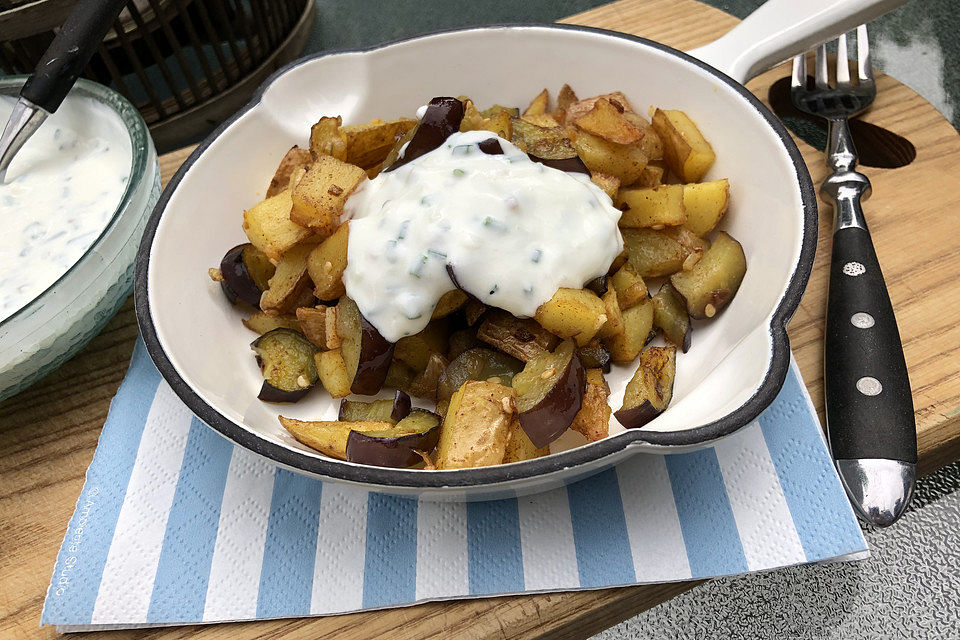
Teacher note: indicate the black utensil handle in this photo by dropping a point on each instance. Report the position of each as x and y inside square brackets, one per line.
[70, 52]
[869, 405]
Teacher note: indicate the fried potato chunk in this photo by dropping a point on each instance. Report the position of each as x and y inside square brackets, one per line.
[477, 425]
[269, 227]
[319, 197]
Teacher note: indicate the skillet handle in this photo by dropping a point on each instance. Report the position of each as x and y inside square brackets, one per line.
[782, 29]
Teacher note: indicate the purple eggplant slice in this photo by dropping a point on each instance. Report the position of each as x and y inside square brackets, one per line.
[649, 391]
[286, 361]
[390, 410]
[441, 119]
[670, 316]
[598, 285]
[366, 353]
[246, 271]
[594, 355]
[397, 447]
[491, 147]
[570, 165]
[550, 393]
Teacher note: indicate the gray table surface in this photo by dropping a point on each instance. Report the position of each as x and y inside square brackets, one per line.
[910, 587]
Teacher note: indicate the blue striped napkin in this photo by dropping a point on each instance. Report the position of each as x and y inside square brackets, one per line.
[177, 525]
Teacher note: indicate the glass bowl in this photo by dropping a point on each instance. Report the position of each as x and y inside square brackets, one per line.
[60, 321]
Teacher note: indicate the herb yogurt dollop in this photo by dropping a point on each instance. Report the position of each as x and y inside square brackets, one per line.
[60, 192]
[511, 231]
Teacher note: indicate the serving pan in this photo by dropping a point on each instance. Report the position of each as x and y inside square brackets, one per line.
[738, 361]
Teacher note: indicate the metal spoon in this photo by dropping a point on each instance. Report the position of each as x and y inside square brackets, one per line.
[57, 71]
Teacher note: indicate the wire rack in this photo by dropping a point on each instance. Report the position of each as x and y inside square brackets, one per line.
[185, 64]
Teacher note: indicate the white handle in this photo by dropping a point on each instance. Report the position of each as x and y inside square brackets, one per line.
[782, 29]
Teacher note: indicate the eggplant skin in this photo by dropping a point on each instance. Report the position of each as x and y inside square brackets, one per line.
[635, 417]
[270, 393]
[598, 285]
[570, 165]
[376, 352]
[441, 119]
[549, 418]
[491, 147]
[401, 406]
[394, 451]
[237, 283]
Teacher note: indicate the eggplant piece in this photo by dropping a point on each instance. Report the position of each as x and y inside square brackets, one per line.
[448, 303]
[461, 341]
[396, 447]
[523, 339]
[441, 119]
[262, 323]
[550, 393]
[477, 364]
[377, 411]
[570, 165]
[637, 328]
[415, 350]
[670, 315]
[714, 279]
[366, 353]
[424, 385]
[595, 356]
[491, 147]
[246, 274]
[473, 311]
[649, 391]
[286, 361]
[598, 285]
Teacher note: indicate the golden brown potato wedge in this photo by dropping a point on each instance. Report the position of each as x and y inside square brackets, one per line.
[630, 287]
[519, 447]
[652, 174]
[608, 122]
[489, 112]
[333, 372]
[565, 99]
[472, 119]
[572, 313]
[655, 207]
[394, 152]
[538, 105]
[540, 119]
[289, 282]
[623, 161]
[523, 339]
[593, 419]
[582, 107]
[614, 324]
[368, 144]
[329, 436]
[637, 324]
[262, 323]
[650, 143]
[714, 280]
[650, 390]
[705, 204]
[269, 228]
[687, 152]
[327, 140]
[319, 197]
[544, 142]
[476, 428]
[500, 123]
[294, 159]
[313, 323]
[609, 184]
[327, 262]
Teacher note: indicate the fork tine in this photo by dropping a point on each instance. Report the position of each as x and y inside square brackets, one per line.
[864, 70]
[823, 77]
[799, 77]
[843, 65]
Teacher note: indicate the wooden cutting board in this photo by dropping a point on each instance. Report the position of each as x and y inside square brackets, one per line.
[48, 433]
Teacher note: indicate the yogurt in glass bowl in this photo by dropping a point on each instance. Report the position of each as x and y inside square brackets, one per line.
[73, 208]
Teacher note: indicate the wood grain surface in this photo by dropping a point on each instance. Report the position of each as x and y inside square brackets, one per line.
[48, 432]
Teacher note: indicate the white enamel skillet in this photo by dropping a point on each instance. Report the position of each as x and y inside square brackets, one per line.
[738, 361]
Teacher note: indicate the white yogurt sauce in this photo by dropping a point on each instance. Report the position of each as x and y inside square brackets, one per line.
[513, 231]
[60, 192]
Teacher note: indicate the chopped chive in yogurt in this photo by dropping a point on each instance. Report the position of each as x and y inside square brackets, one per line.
[436, 254]
[403, 230]
[418, 266]
[461, 149]
[459, 173]
[492, 223]
[537, 254]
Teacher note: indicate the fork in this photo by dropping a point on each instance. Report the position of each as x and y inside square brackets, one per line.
[869, 407]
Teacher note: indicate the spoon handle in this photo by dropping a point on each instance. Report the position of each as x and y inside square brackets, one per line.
[70, 51]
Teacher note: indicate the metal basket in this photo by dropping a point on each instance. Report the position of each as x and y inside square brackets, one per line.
[185, 64]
